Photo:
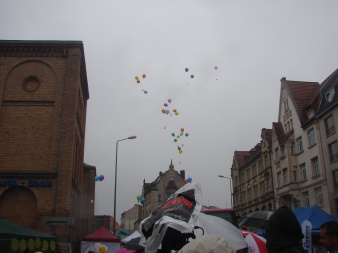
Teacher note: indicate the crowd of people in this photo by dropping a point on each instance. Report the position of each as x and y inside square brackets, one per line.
[283, 234]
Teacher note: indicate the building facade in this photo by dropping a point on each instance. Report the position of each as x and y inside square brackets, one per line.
[130, 219]
[44, 184]
[299, 171]
[251, 173]
[157, 192]
[298, 157]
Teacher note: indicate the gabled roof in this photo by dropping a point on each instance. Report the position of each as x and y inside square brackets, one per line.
[101, 235]
[301, 93]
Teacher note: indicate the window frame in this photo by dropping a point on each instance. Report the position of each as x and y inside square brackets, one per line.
[312, 137]
[302, 170]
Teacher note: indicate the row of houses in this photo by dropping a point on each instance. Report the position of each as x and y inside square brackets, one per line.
[296, 161]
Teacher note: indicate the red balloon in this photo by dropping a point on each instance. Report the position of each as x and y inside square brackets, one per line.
[185, 181]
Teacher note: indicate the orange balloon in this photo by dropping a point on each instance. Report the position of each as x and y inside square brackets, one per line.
[138, 81]
[182, 130]
[144, 75]
[174, 110]
[163, 111]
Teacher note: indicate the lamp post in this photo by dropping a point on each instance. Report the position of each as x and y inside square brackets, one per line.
[230, 186]
[117, 143]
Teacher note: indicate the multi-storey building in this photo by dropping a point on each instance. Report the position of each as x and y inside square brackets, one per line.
[157, 192]
[44, 184]
[252, 177]
[298, 168]
[327, 115]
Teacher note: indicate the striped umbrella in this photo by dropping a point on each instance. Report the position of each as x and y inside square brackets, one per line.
[256, 243]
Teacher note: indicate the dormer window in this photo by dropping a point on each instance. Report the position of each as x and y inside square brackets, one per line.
[329, 95]
[310, 112]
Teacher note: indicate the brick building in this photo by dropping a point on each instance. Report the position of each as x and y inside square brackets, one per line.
[44, 184]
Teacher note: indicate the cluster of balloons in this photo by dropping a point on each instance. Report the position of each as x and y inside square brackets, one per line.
[139, 81]
[177, 137]
[167, 111]
[187, 180]
[140, 199]
[99, 178]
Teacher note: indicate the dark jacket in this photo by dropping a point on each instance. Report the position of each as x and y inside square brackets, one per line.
[283, 232]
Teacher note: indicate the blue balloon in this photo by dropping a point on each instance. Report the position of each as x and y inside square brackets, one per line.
[142, 200]
[189, 179]
[173, 134]
[186, 69]
[145, 92]
[96, 178]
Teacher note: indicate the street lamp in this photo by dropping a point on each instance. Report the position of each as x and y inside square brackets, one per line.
[117, 142]
[230, 187]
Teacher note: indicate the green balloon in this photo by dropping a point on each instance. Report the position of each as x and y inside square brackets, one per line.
[192, 76]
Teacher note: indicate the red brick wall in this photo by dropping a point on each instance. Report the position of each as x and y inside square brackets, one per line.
[43, 92]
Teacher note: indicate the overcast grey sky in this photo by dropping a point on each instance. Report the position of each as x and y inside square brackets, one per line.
[253, 43]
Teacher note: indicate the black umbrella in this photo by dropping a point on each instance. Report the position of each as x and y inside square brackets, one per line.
[134, 244]
[255, 219]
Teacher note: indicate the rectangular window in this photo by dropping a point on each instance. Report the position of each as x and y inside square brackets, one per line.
[262, 190]
[277, 154]
[285, 176]
[255, 192]
[286, 105]
[299, 143]
[335, 179]
[312, 137]
[291, 124]
[315, 167]
[249, 194]
[333, 149]
[306, 199]
[302, 168]
[329, 124]
[293, 151]
[168, 194]
[159, 197]
[248, 174]
[295, 177]
[260, 166]
[319, 196]
[279, 179]
[283, 151]
[254, 170]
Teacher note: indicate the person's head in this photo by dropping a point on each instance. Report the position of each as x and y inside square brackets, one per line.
[329, 235]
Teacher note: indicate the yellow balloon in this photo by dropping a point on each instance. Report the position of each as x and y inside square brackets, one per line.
[52, 245]
[45, 245]
[178, 136]
[30, 244]
[136, 77]
[23, 245]
[14, 244]
[37, 243]
[180, 151]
